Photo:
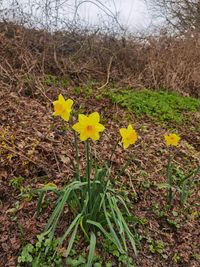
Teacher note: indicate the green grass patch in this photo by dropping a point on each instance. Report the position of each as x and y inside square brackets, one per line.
[162, 105]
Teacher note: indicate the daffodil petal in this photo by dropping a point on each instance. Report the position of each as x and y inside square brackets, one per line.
[83, 136]
[95, 136]
[78, 127]
[61, 98]
[82, 118]
[69, 103]
[94, 117]
[55, 102]
[100, 127]
[130, 128]
[125, 144]
[122, 131]
[65, 115]
[55, 113]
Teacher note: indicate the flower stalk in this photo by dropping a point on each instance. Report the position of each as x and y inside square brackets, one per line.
[88, 172]
[77, 157]
[169, 179]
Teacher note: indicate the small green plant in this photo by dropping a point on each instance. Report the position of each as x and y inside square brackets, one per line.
[51, 80]
[27, 193]
[184, 183]
[13, 210]
[179, 183]
[16, 182]
[196, 257]
[79, 261]
[113, 250]
[176, 180]
[162, 105]
[36, 254]
[174, 223]
[99, 97]
[26, 254]
[77, 90]
[87, 91]
[176, 258]
[156, 246]
[158, 210]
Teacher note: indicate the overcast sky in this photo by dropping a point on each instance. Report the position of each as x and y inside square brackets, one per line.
[132, 14]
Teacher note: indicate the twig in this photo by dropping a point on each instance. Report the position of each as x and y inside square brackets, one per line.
[57, 163]
[38, 87]
[108, 74]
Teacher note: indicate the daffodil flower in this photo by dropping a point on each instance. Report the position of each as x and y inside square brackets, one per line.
[63, 107]
[129, 136]
[172, 139]
[89, 126]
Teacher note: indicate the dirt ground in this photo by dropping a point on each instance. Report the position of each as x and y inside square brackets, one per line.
[33, 145]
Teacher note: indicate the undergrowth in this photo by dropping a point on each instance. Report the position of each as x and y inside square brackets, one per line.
[161, 105]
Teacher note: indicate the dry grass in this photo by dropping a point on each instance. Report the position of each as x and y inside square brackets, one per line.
[165, 62]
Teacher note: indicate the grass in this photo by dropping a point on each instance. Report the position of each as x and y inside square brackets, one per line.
[161, 105]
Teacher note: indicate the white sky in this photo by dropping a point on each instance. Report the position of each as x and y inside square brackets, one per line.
[132, 14]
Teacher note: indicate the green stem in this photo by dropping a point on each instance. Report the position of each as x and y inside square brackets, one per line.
[126, 164]
[169, 178]
[113, 151]
[88, 171]
[77, 157]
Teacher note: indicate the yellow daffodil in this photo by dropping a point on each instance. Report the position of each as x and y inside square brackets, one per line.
[63, 107]
[129, 136]
[172, 139]
[89, 126]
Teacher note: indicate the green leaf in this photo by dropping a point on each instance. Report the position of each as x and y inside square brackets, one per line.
[164, 185]
[126, 229]
[108, 264]
[75, 262]
[114, 235]
[26, 254]
[72, 225]
[115, 253]
[71, 241]
[98, 225]
[91, 250]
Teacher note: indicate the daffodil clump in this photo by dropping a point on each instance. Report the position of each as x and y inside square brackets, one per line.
[91, 197]
[96, 205]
